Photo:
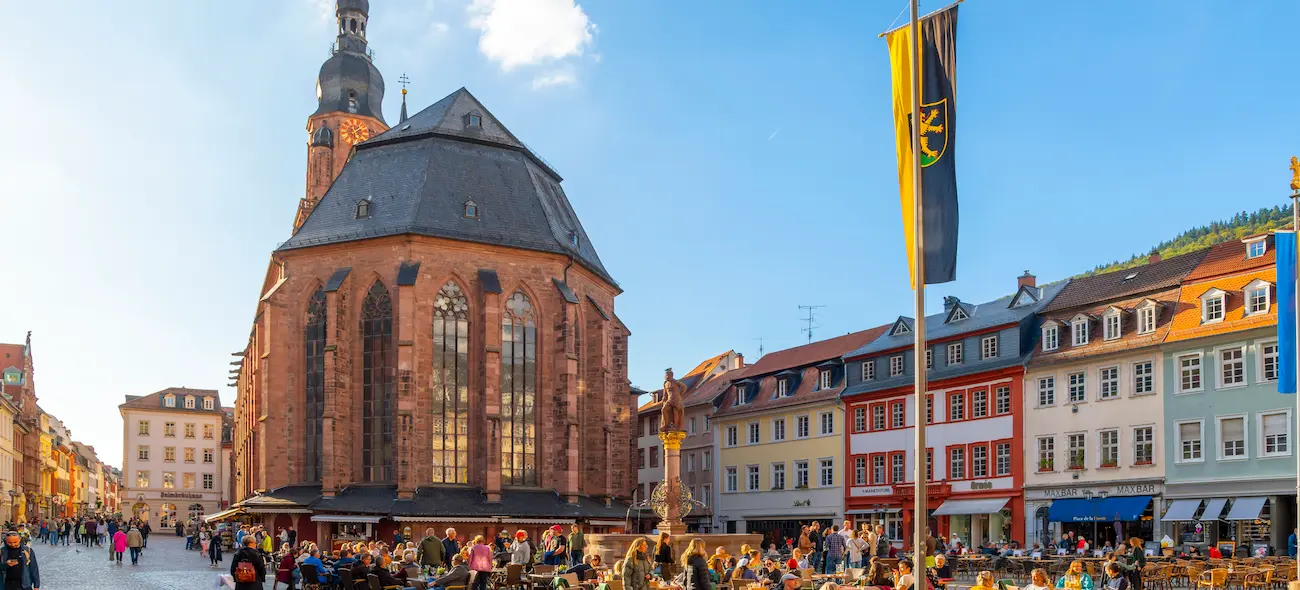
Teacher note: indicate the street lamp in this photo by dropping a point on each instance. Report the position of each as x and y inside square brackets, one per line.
[1101, 495]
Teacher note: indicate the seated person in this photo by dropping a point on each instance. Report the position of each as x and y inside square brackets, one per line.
[878, 574]
[983, 581]
[904, 580]
[727, 570]
[386, 578]
[770, 574]
[457, 576]
[1115, 578]
[1075, 578]
[717, 565]
[772, 552]
[345, 560]
[409, 567]
[313, 559]
[586, 569]
[942, 570]
[362, 568]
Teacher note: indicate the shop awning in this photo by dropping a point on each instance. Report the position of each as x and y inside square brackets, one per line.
[1120, 508]
[1214, 508]
[872, 511]
[355, 518]
[1181, 510]
[981, 506]
[223, 515]
[1246, 508]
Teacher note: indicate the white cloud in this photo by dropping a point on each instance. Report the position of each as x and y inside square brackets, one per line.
[440, 28]
[529, 32]
[324, 9]
[556, 78]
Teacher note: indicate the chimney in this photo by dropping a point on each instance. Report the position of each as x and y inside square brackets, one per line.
[949, 302]
[1026, 280]
[740, 360]
[1153, 258]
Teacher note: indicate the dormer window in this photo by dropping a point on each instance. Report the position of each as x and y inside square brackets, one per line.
[868, 369]
[208, 404]
[473, 121]
[573, 239]
[782, 388]
[1146, 318]
[1079, 331]
[189, 402]
[740, 395]
[471, 210]
[1256, 247]
[958, 314]
[900, 327]
[363, 209]
[352, 101]
[955, 353]
[896, 365]
[1258, 298]
[1112, 324]
[169, 401]
[1212, 306]
[826, 379]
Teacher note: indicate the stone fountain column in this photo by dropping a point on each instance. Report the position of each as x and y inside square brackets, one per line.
[672, 522]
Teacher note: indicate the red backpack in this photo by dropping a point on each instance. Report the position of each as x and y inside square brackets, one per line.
[245, 572]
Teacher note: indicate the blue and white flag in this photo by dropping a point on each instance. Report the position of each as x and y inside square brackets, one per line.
[1286, 275]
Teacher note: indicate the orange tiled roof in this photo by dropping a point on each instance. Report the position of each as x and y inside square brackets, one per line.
[1129, 339]
[1187, 322]
[708, 365]
[1230, 258]
[11, 355]
[705, 392]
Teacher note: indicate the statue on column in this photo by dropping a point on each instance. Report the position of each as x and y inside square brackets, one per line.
[670, 499]
[672, 412]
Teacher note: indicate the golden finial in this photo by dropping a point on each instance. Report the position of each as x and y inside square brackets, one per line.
[1295, 174]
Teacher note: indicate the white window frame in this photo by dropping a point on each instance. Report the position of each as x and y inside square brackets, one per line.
[730, 479]
[956, 404]
[740, 395]
[1178, 440]
[825, 467]
[782, 387]
[997, 402]
[778, 429]
[208, 404]
[1262, 448]
[1251, 247]
[1240, 348]
[989, 347]
[1102, 382]
[169, 401]
[1045, 454]
[998, 471]
[1079, 332]
[896, 366]
[1101, 447]
[1046, 389]
[893, 416]
[690, 462]
[1247, 293]
[691, 422]
[1081, 385]
[753, 480]
[1114, 320]
[189, 402]
[707, 462]
[979, 397]
[825, 379]
[1245, 437]
[1152, 442]
[1213, 295]
[1178, 371]
[802, 471]
[1146, 322]
[1071, 448]
[777, 474]
[826, 420]
[1149, 375]
[869, 370]
[1261, 356]
[957, 460]
[753, 433]
[929, 358]
[884, 421]
[802, 426]
[1051, 337]
[731, 436]
[956, 352]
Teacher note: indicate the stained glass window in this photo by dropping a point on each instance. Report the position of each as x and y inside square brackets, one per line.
[377, 385]
[450, 385]
[313, 339]
[518, 392]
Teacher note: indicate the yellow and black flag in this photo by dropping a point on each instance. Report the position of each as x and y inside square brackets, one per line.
[938, 110]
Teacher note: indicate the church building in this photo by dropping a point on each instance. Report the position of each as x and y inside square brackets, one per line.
[435, 345]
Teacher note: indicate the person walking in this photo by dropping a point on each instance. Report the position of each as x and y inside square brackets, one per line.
[664, 556]
[134, 543]
[695, 567]
[449, 547]
[637, 566]
[248, 567]
[21, 570]
[145, 529]
[214, 551]
[430, 553]
[480, 563]
[118, 545]
[577, 545]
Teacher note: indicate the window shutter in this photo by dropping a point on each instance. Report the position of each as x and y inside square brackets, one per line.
[1275, 424]
[1189, 431]
[1233, 429]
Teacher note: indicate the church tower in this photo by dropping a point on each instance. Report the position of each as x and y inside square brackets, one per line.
[350, 97]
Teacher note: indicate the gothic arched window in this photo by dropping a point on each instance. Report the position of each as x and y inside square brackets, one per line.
[518, 392]
[377, 385]
[451, 385]
[313, 344]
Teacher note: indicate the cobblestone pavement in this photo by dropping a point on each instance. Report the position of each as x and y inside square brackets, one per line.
[164, 565]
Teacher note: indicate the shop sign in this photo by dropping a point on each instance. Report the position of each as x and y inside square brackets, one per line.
[872, 491]
[182, 495]
[1139, 489]
[804, 502]
[981, 485]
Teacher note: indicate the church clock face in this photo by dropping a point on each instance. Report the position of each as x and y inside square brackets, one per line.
[354, 131]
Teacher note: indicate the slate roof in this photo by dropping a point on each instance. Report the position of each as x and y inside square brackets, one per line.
[981, 316]
[154, 401]
[381, 500]
[801, 361]
[1116, 285]
[418, 177]
[711, 389]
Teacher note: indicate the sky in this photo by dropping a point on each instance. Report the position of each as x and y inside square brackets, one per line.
[731, 160]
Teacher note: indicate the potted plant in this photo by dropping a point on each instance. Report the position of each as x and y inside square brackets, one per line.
[1076, 461]
[1109, 464]
[1046, 465]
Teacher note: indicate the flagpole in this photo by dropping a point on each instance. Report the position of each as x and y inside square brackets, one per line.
[1295, 227]
[920, 519]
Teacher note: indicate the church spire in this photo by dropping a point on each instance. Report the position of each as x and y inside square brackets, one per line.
[404, 80]
[348, 81]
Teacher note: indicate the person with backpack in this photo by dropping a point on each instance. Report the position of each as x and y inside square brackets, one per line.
[882, 542]
[21, 570]
[134, 543]
[248, 567]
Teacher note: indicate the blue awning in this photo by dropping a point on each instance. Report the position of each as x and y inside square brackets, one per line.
[1123, 508]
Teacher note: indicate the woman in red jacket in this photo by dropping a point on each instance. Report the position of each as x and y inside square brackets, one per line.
[284, 575]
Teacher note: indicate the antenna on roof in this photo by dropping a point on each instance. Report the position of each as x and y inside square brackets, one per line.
[811, 320]
[760, 346]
